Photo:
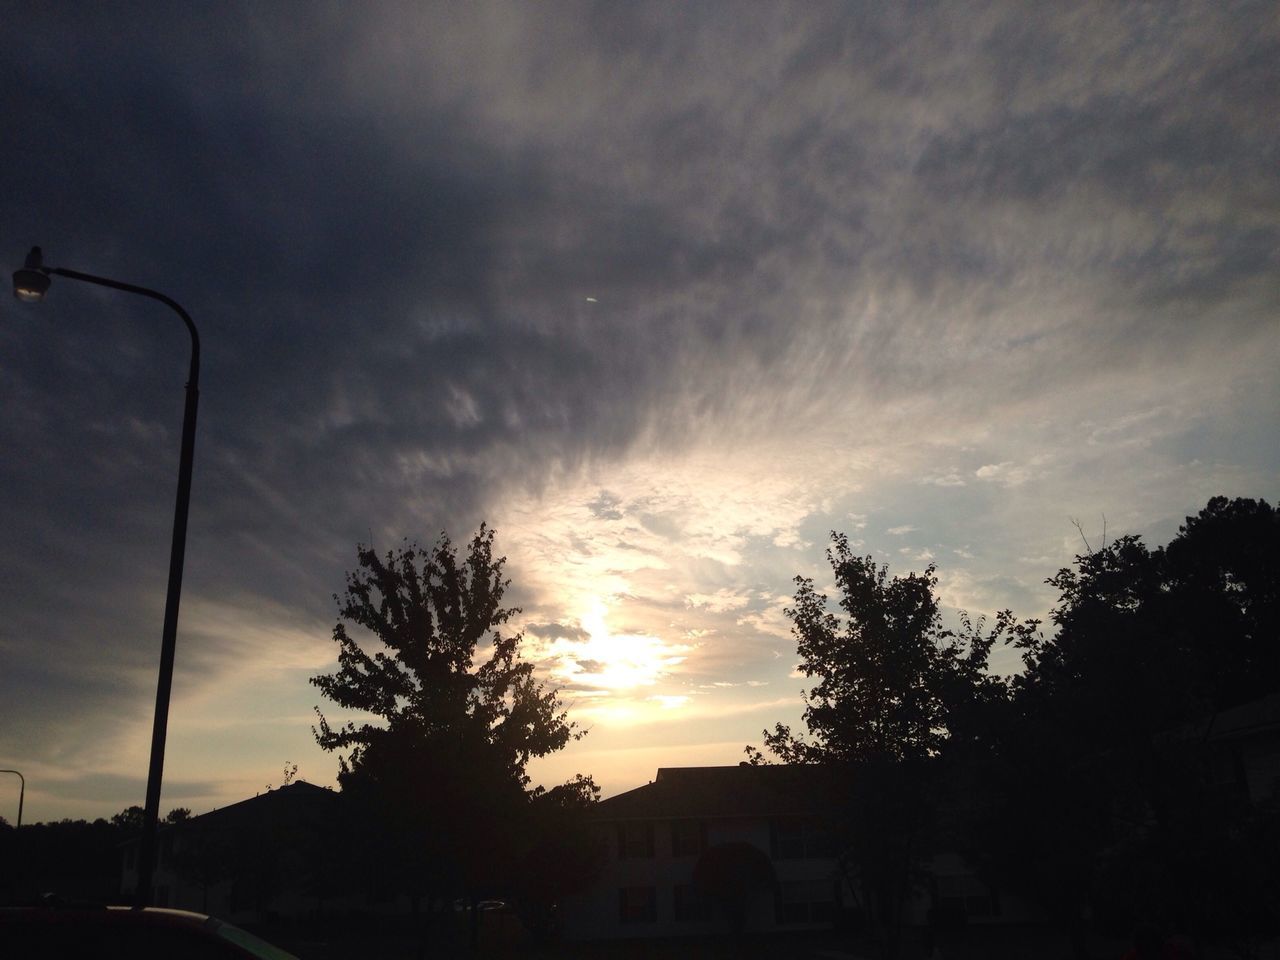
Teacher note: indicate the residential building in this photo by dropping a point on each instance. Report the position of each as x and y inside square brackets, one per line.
[655, 835]
[268, 856]
[656, 840]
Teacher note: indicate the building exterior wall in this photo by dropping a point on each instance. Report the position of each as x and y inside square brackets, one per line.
[1260, 757]
[601, 912]
[956, 894]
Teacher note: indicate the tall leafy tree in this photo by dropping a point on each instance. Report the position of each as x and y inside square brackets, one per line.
[450, 715]
[893, 684]
[893, 687]
[1105, 750]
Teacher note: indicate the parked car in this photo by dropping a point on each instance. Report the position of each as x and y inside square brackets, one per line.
[107, 933]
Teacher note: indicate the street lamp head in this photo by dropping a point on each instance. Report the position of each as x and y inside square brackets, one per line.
[31, 283]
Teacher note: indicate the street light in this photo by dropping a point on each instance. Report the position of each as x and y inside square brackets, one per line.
[30, 284]
[22, 792]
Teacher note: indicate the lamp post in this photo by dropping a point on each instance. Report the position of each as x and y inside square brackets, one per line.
[22, 792]
[30, 284]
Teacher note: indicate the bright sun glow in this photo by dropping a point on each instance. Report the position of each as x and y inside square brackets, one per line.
[606, 663]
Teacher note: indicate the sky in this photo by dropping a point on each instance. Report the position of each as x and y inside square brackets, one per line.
[664, 293]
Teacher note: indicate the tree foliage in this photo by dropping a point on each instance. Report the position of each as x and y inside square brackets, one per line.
[559, 854]
[1086, 781]
[74, 860]
[431, 612]
[894, 687]
[892, 682]
[435, 772]
[1103, 755]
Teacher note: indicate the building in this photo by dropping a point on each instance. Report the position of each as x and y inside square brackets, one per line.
[1240, 747]
[655, 836]
[768, 825]
[269, 856]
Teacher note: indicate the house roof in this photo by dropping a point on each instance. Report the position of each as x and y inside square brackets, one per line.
[293, 800]
[1252, 719]
[1246, 719]
[720, 792]
[296, 801]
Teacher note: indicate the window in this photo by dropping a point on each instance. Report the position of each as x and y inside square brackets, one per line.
[688, 838]
[689, 906]
[794, 838]
[966, 897]
[635, 840]
[637, 904]
[1227, 778]
[808, 901]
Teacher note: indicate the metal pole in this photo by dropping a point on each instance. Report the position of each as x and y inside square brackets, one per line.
[22, 792]
[177, 552]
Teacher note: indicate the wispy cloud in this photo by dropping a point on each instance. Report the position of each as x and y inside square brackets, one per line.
[665, 294]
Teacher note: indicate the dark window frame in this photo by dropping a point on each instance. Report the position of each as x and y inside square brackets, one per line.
[637, 904]
[635, 847]
[691, 844]
[807, 910]
[799, 838]
[687, 906]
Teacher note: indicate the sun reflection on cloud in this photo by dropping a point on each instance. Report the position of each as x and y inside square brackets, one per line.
[594, 660]
[670, 702]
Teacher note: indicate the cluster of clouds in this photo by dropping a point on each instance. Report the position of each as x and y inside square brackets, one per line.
[665, 294]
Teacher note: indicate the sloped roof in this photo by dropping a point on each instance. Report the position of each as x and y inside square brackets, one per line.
[287, 800]
[1251, 719]
[284, 804]
[1246, 719]
[720, 792]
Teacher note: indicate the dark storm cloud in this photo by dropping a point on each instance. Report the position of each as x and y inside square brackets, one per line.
[438, 254]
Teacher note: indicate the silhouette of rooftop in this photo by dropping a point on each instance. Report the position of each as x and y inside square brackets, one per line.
[719, 792]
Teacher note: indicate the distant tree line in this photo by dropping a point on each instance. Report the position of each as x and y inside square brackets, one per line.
[73, 860]
[1088, 779]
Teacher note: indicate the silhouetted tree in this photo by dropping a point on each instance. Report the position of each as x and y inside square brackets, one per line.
[561, 855]
[1101, 771]
[892, 681]
[129, 820]
[436, 781]
[893, 687]
[74, 860]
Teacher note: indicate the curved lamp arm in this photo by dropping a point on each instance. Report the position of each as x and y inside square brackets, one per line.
[30, 284]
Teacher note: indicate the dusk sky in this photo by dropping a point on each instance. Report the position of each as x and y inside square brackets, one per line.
[663, 292]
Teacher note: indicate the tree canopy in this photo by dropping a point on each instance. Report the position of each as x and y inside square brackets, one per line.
[892, 682]
[894, 686]
[451, 717]
[431, 612]
[1105, 766]
[1088, 779]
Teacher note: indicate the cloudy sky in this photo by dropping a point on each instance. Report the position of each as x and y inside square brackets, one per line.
[665, 293]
